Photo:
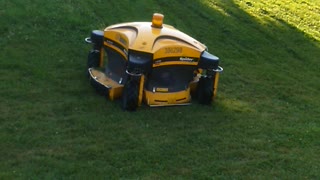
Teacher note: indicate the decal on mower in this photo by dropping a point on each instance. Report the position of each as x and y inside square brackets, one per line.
[187, 59]
[162, 89]
[173, 50]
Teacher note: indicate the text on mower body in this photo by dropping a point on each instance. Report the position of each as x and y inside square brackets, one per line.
[173, 50]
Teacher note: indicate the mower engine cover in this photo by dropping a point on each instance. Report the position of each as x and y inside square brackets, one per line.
[151, 62]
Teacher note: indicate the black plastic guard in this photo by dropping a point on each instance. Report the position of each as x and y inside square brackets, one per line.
[97, 37]
[208, 61]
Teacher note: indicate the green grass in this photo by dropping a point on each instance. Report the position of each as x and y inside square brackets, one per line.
[264, 124]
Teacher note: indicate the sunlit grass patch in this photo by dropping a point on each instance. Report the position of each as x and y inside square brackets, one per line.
[303, 15]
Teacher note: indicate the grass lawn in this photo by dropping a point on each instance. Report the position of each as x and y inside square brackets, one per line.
[264, 124]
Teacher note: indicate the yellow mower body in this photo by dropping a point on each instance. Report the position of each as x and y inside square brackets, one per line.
[151, 62]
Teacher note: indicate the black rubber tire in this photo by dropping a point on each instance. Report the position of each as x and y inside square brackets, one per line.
[205, 90]
[130, 95]
[93, 59]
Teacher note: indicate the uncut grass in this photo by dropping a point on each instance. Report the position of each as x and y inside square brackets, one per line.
[265, 122]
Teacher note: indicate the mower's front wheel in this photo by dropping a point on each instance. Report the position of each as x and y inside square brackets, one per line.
[130, 94]
[205, 90]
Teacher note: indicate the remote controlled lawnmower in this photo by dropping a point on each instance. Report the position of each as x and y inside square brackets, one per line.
[151, 62]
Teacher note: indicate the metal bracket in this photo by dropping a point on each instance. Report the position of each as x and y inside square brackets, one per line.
[133, 74]
[88, 40]
[218, 70]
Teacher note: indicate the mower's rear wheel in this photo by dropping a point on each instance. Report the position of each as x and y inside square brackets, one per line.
[130, 95]
[205, 90]
[93, 59]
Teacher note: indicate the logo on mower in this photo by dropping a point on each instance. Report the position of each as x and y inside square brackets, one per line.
[186, 59]
[109, 42]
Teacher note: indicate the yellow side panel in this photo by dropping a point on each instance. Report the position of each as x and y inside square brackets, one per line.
[117, 41]
[118, 37]
[125, 34]
[141, 90]
[167, 99]
[115, 92]
[115, 89]
[216, 82]
[101, 57]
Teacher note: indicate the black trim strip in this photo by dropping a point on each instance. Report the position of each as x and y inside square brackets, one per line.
[160, 100]
[177, 58]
